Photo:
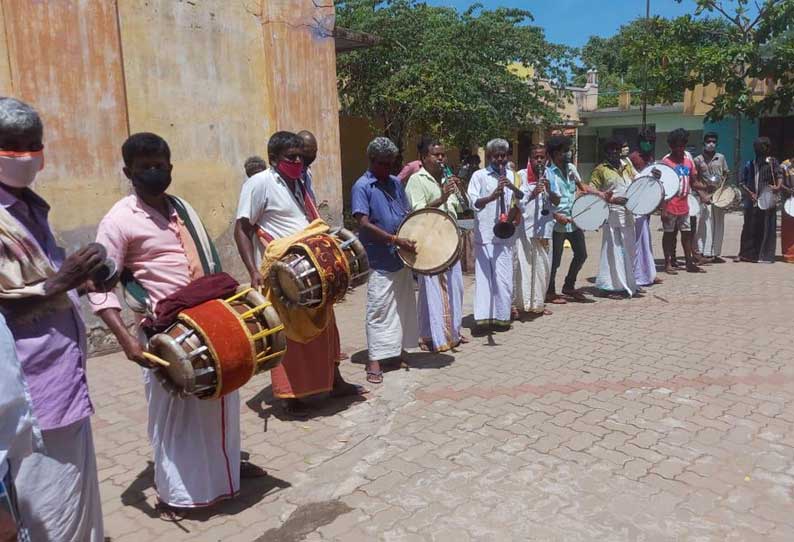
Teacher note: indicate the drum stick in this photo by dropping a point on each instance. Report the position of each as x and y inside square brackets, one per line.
[156, 359]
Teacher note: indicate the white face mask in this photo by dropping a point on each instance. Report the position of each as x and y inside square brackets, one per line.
[710, 147]
[19, 169]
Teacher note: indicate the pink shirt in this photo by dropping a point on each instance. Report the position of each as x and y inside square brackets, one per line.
[146, 243]
[409, 169]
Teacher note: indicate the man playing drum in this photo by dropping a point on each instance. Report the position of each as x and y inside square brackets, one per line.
[616, 269]
[644, 263]
[440, 296]
[532, 261]
[278, 203]
[380, 204]
[712, 168]
[196, 443]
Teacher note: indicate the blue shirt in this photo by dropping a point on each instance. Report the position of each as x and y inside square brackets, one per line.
[566, 188]
[386, 208]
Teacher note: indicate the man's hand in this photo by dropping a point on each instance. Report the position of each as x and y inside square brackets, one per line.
[617, 200]
[75, 271]
[448, 189]
[257, 280]
[405, 244]
[134, 352]
[500, 188]
[540, 187]
[562, 219]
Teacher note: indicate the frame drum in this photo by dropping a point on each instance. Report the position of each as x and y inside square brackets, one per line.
[668, 177]
[767, 199]
[644, 195]
[724, 197]
[788, 206]
[694, 205]
[438, 242]
[589, 212]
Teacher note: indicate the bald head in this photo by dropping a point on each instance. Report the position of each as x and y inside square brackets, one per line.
[309, 147]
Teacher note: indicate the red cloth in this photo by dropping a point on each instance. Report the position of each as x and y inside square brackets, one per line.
[679, 204]
[217, 286]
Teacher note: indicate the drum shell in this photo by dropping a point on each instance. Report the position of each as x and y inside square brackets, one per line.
[596, 209]
[438, 241]
[788, 206]
[635, 192]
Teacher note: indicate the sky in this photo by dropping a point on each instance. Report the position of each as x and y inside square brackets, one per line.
[571, 22]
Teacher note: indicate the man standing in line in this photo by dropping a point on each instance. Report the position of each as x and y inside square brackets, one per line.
[759, 176]
[713, 172]
[644, 263]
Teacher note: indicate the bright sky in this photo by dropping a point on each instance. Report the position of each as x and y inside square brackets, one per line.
[571, 22]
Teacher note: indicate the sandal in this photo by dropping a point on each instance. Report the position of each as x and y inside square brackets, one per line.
[576, 295]
[464, 340]
[249, 470]
[556, 300]
[375, 377]
[169, 513]
[546, 312]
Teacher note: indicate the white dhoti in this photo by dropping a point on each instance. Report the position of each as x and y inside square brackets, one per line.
[440, 309]
[711, 230]
[391, 314]
[196, 446]
[618, 252]
[531, 268]
[493, 284]
[58, 490]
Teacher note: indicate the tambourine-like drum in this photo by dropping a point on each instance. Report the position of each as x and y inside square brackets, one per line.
[589, 212]
[694, 205]
[767, 199]
[644, 195]
[216, 347]
[666, 175]
[438, 241]
[724, 197]
[788, 206]
[319, 269]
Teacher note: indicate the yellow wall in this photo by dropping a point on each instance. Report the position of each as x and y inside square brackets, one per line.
[215, 78]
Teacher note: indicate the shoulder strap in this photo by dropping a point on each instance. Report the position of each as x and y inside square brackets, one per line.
[208, 254]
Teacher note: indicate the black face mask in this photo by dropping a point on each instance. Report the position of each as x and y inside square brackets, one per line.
[153, 181]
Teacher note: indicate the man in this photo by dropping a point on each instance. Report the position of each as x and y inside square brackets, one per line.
[254, 165]
[274, 204]
[440, 296]
[150, 235]
[758, 240]
[493, 286]
[616, 269]
[562, 172]
[713, 172]
[675, 211]
[58, 489]
[532, 260]
[644, 263]
[379, 204]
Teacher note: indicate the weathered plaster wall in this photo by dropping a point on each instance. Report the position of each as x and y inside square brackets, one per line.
[215, 78]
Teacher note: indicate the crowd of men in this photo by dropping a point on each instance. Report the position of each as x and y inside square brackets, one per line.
[48, 469]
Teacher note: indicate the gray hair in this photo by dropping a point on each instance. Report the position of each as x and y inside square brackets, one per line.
[254, 164]
[381, 147]
[18, 118]
[497, 145]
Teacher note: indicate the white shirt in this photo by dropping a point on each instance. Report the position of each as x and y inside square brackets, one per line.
[537, 225]
[482, 184]
[266, 201]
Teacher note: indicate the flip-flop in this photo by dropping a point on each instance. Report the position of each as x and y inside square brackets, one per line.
[169, 513]
[464, 340]
[557, 300]
[546, 312]
[375, 377]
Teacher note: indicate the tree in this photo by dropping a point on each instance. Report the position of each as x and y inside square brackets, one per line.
[444, 71]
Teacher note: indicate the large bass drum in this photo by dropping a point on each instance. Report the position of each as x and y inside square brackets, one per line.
[438, 241]
[644, 195]
[666, 175]
[589, 212]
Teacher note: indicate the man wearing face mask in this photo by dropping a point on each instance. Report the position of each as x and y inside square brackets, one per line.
[379, 204]
[58, 489]
[440, 296]
[759, 234]
[274, 204]
[713, 171]
[644, 263]
[616, 269]
[153, 237]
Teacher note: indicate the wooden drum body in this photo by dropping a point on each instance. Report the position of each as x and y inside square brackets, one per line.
[319, 269]
[438, 241]
[216, 347]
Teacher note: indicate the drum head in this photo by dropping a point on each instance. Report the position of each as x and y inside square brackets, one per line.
[644, 195]
[289, 287]
[668, 178]
[724, 197]
[788, 206]
[437, 241]
[694, 205]
[766, 200]
[589, 212]
[180, 371]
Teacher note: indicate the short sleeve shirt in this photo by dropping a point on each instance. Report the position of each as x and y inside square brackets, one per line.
[566, 185]
[536, 224]
[422, 188]
[482, 184]
[712, 171]
[386, 206]
[679, 205]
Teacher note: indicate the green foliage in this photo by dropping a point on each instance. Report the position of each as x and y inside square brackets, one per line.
[443, 71]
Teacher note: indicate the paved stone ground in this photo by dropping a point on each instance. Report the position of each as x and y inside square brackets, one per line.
[662, 418]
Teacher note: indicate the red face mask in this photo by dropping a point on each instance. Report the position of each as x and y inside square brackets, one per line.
[290, 170]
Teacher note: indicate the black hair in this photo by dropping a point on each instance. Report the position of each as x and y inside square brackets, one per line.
[144, 144]
[253, 165]
[711, 135]
[614, 142]
[280, 142]
[763, 140]
[557, 143]
[426, 144]
[679, 135]
[647, 135]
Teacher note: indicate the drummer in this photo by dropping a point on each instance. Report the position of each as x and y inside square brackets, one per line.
[712, 169]
[196, 443]
[787, 219]
[644, 263]
[379, 204]
[758, 240]
[616, 269]
[440, 296]
[675, 211]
